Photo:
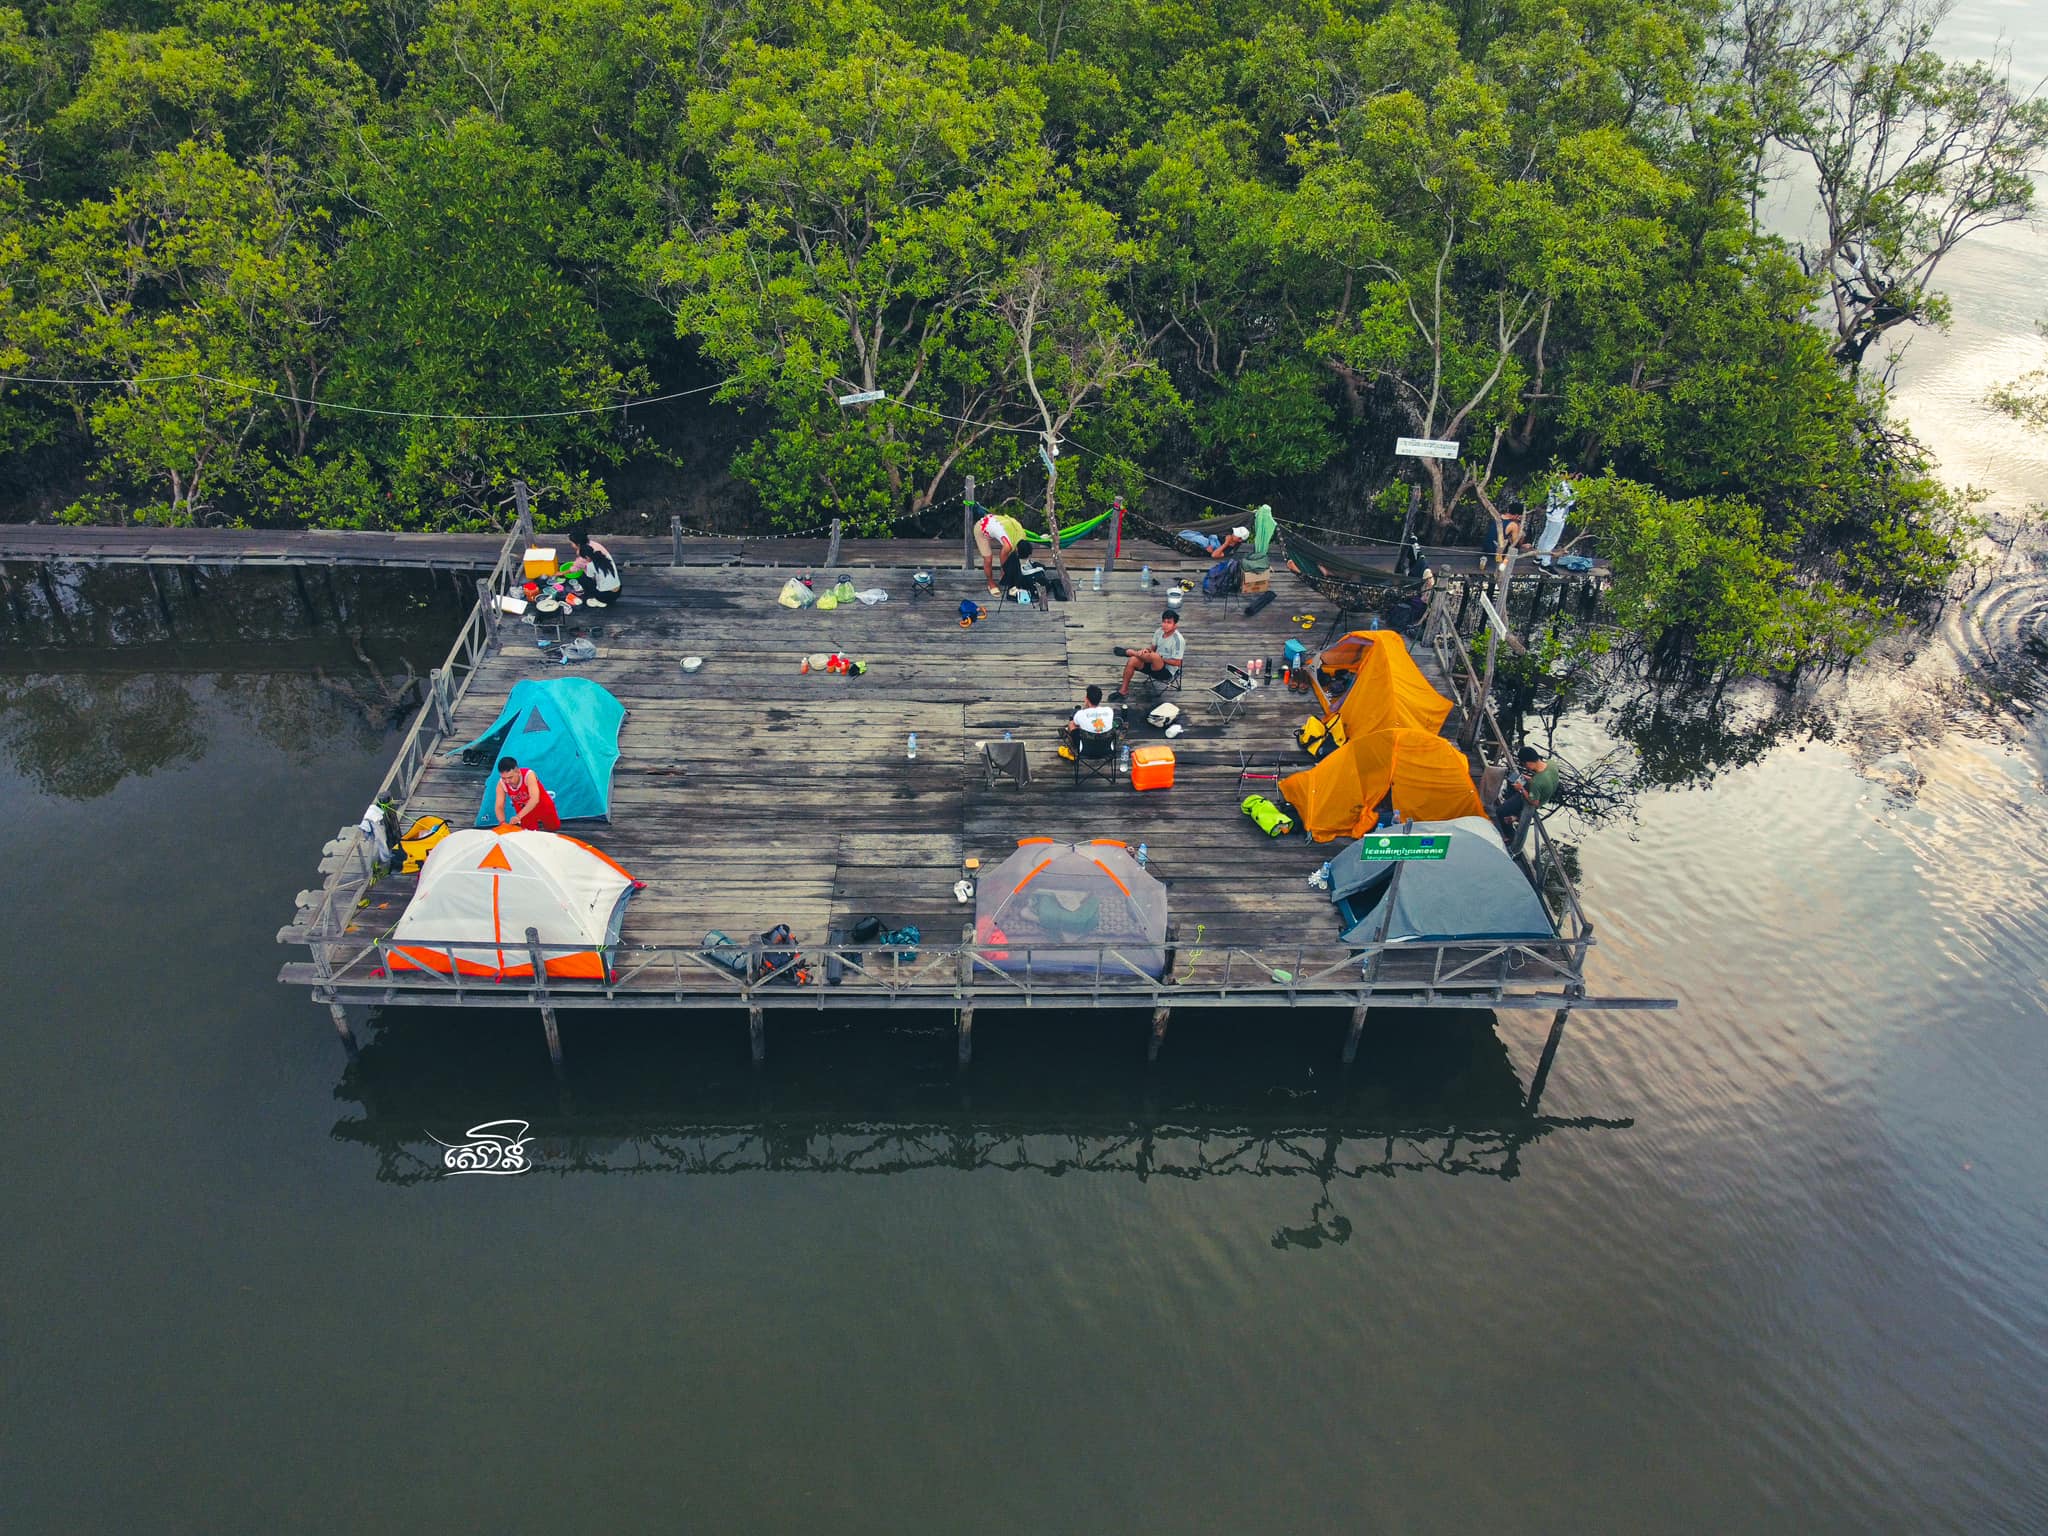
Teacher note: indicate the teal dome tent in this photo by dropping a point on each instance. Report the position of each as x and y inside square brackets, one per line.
[566, 729]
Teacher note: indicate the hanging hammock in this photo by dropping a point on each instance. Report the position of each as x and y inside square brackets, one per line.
[1335, 576]
[1070, 534]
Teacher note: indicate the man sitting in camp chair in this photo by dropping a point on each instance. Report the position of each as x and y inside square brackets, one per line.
[1094, 718]
[1161, 660]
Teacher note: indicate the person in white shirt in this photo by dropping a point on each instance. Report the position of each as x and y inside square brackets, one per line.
[1095, 718]
[1000, 540]
[1161, 659]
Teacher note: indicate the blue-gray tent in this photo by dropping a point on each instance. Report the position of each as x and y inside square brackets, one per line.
[566, 729]
[1474, 892]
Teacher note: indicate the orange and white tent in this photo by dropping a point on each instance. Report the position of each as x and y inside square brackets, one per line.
[481, 889]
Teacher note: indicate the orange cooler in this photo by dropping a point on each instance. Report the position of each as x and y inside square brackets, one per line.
[1152, 768]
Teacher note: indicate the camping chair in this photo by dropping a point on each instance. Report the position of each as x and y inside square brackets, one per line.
[1095, 753]
[1005, 762]
[1227, 697]
[1156, 687]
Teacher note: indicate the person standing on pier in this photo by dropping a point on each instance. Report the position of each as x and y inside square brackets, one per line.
[1000, 539]
[521, 792]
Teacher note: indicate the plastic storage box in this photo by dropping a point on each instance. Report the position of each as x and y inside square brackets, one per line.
[540, 562]
[1152, 768]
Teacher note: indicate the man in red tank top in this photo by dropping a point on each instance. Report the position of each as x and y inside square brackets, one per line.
[523, 800]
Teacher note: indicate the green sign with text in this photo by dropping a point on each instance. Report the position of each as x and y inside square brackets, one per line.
[1405, 845]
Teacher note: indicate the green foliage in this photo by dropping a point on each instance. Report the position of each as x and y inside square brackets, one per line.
[1207, 243]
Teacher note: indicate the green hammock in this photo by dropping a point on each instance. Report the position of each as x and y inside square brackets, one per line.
[1071, 533]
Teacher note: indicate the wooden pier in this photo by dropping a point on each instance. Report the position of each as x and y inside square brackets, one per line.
[751, 794]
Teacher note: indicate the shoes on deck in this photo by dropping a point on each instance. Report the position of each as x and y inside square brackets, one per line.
[1119, 650]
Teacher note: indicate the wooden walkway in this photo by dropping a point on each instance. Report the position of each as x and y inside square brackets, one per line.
[750, 794]
[22, 543]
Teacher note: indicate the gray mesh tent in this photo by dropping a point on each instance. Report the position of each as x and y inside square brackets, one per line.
[1474, 892]
[1052, 909]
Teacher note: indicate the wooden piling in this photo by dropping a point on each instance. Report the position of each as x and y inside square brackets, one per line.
[1351, 1038]
[341, 1026]
[963, 1020]
[832, 553]
[1159, 1017]
[163, 603]
[757, 1034]
[675, 539]
[540, 986]
[298, 583]
[1549, 1055]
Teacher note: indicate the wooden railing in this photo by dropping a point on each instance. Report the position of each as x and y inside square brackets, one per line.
[1532, 841]
[348, 864]
[1424, 973]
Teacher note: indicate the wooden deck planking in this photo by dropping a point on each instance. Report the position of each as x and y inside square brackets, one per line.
[749, 793]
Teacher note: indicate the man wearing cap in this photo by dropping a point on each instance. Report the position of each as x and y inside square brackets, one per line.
[1230, 541]
[1534, 786]
[1161, 659]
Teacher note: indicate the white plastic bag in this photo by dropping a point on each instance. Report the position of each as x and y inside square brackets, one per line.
[872, 596]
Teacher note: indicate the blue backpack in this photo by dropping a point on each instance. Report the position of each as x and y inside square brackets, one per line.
[1224, 578]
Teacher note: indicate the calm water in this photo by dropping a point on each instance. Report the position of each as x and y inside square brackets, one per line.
[1777, 1261]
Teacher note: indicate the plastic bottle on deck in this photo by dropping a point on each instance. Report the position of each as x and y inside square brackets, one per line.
[912, 754]
[1142, 855]
[1097, 585]
[1145, 577]
[1123, 763]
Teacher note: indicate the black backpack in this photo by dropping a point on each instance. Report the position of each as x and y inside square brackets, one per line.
[1224, 578]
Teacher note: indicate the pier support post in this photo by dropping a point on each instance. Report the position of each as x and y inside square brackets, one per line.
[1549, 1055]
[1159, 1017]
[163, 604]
[675, 539]
[1352, 1035]
[757, 1034]
[540, 987]
[832, 553]
[341, 1027]
[963, 1020]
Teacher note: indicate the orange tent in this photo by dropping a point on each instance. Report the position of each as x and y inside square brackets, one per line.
[1387, 690]
[1341, 795]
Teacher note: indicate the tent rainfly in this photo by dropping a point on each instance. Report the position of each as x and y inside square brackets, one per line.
[1385, 691]
[1340, 796]
[1476, 891]
[480, 890]
[1062, 909]
[566, 729]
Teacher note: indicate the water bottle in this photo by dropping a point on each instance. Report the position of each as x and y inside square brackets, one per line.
[913, 747]
[1141, 855]
[1097, 584]
[1145, 578]
[1006, 735]
[1123, 763]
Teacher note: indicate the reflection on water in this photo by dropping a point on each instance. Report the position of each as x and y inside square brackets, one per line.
[1233, 1096]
